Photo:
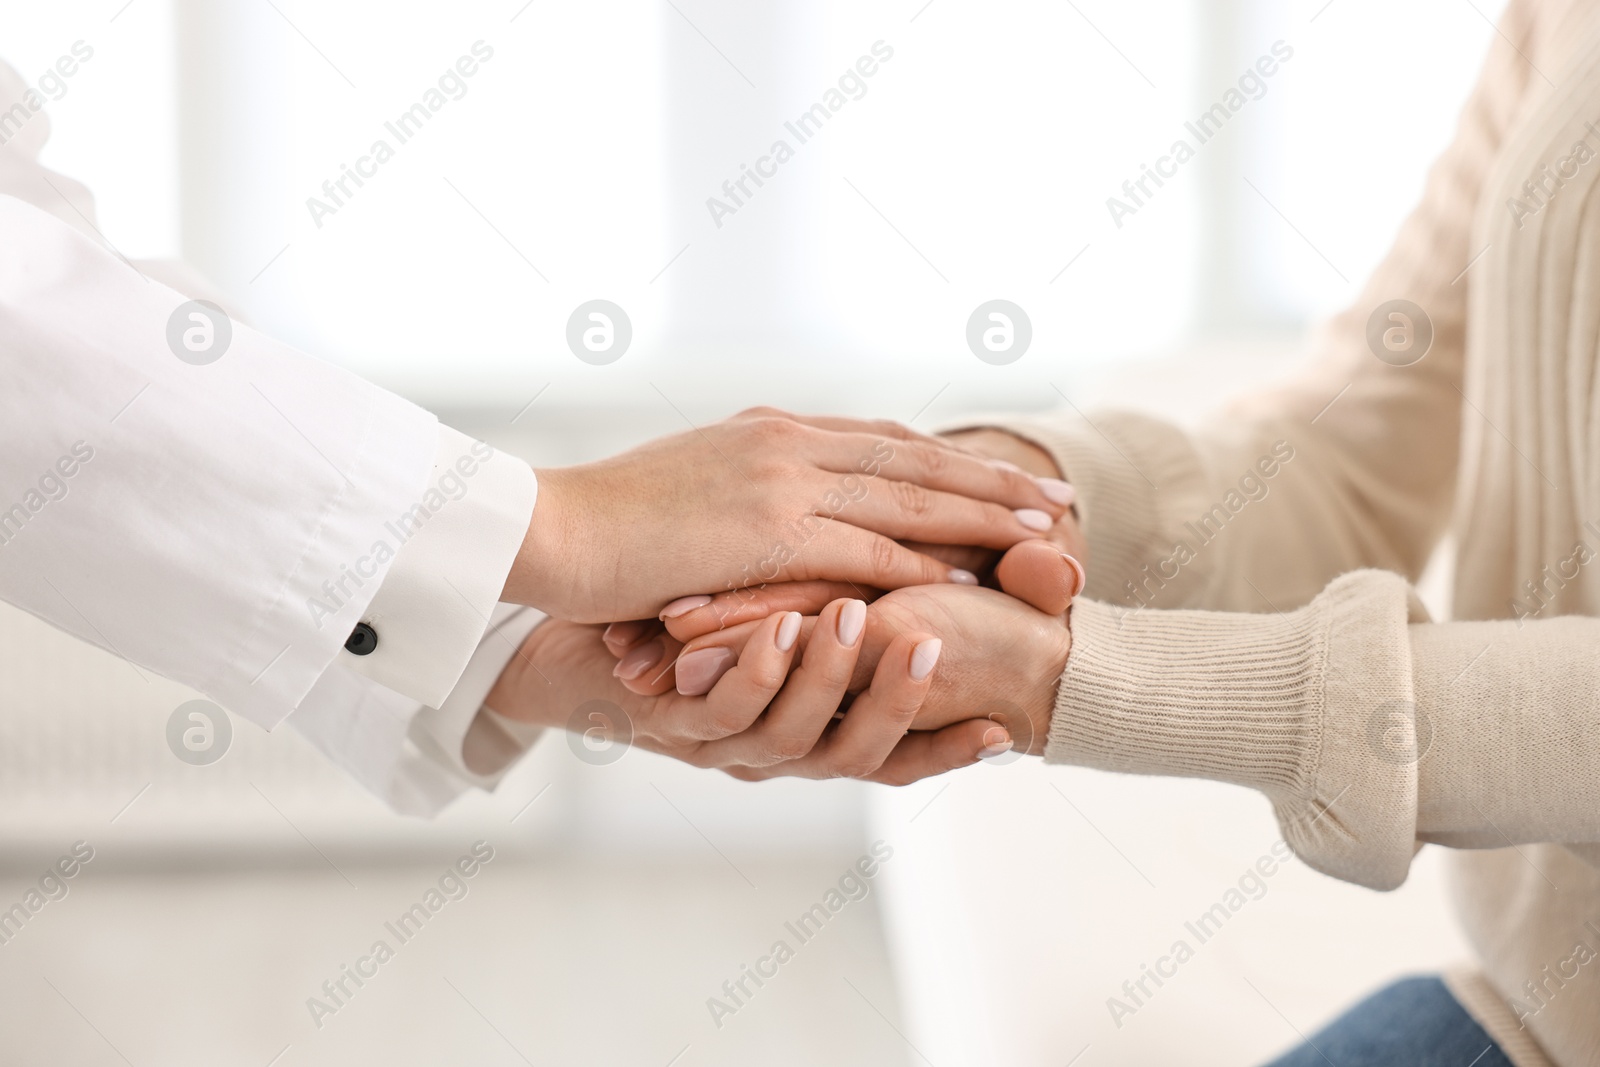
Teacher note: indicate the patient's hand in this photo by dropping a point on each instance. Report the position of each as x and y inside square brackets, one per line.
[1008, 450]
[742, 722]
[1038, 572]
[1002, 658]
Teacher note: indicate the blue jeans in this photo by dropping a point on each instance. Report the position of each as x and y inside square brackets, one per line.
[1413, 1023]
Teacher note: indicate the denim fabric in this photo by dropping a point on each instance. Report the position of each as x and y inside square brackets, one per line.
[1413, 1023]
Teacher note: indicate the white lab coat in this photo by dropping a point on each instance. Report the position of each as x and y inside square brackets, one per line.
[227, 525]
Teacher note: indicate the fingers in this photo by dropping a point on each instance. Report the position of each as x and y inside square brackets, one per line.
[807, 702]
[858, 746]
[923, 754]
[880, 717]
[843, 424]
[1038, 573]
[936, 465]
[988, 443]
[693, 617]
[879, 632]
[683, 605]
[738, 687]
[1002, 446]
[867, 560]
[979, 561]
[726, 610]
[649, 668]
[619, 637]
[904, 510]
[917, 755]
[1055, 490]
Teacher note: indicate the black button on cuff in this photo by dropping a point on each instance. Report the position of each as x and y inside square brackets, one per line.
[363, 640]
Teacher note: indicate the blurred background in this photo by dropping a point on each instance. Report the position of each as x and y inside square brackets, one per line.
[577, 164]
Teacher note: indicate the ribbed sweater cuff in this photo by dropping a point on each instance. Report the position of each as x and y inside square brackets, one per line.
[1196, 694]
[1296, 705]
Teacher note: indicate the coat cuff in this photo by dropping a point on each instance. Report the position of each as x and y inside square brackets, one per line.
[446, 726]
[451, 553]
[409, 756]
[1312, 708]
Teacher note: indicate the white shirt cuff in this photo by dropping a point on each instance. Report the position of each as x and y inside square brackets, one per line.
[409, 756]
[446, 726]
[451, 553]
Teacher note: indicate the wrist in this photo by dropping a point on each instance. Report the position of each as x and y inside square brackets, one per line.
[1028, 672]
[1050, 664]
[547, 566]
[511, 696]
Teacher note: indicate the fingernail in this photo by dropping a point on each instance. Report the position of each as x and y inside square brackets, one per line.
[1058, 491]
[788, 630]
[1034, 519]
[639, 661]
[683, 605]
[995, 742]
[1006, 465]
[698, 671]
[961, 577]
[621, 634]
[852, 619]
[1077, 568]
[923, 657]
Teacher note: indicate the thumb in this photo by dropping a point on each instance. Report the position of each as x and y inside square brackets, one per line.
[1038, 573]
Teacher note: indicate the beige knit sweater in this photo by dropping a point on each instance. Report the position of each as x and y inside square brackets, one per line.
[1250, 621]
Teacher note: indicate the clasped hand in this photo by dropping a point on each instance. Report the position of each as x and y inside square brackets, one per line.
[815, 587]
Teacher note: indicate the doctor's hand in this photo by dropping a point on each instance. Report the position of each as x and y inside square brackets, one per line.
[771, 710]
[694, 615]
[766, 497]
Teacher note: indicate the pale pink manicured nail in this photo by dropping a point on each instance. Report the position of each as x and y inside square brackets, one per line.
[699, 671]
[639, 661]
[621, 633]
[1083, 575]
[852, 619]
[1034, 519]
[683, 605]
[923, 657]
[995, 742]
[961, 577]
[788, 630]
[1058, 491]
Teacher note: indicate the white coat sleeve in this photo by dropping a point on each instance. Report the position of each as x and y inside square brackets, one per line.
[184, 516]
[226, 523]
